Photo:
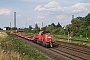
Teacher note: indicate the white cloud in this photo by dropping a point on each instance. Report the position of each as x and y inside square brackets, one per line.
[80, 7]
[38, 8]
[55, 7]
[77, 8]
[52, 4]
[5, 11]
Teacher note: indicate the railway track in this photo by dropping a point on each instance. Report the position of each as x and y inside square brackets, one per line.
[64, 51]
[67, 55]
[75, 49]
[78, 47]
[72, 52]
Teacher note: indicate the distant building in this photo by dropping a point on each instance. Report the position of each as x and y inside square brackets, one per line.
[6, 28]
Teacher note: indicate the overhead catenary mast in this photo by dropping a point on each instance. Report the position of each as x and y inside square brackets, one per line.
[72, 25]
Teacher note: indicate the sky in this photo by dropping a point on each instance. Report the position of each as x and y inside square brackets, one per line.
[30, 12]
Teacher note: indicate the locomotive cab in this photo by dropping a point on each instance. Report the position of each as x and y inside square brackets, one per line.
[46, 38]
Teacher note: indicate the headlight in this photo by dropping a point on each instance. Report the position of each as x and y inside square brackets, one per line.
[49, 37]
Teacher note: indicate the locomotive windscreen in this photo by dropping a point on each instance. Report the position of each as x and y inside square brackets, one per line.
[45, 32]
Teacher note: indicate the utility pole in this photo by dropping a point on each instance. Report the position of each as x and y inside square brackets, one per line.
[72, 25]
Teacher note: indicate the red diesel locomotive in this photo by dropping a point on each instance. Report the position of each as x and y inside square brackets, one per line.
[44, 38]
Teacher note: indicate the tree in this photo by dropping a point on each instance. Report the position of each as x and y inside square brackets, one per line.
[0, 29]
[53, 24]
[37, 29]
[30, 27]
[58, 25]
[87, 20]
[88, 30]
[77, 22]
[36, 25]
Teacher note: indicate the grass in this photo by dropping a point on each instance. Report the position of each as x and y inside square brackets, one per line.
[23, 50]
[75, 38]
[6, 55]
[66, 36]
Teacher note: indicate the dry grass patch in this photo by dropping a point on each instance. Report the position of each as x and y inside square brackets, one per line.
[9, 55]
[2, 35]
